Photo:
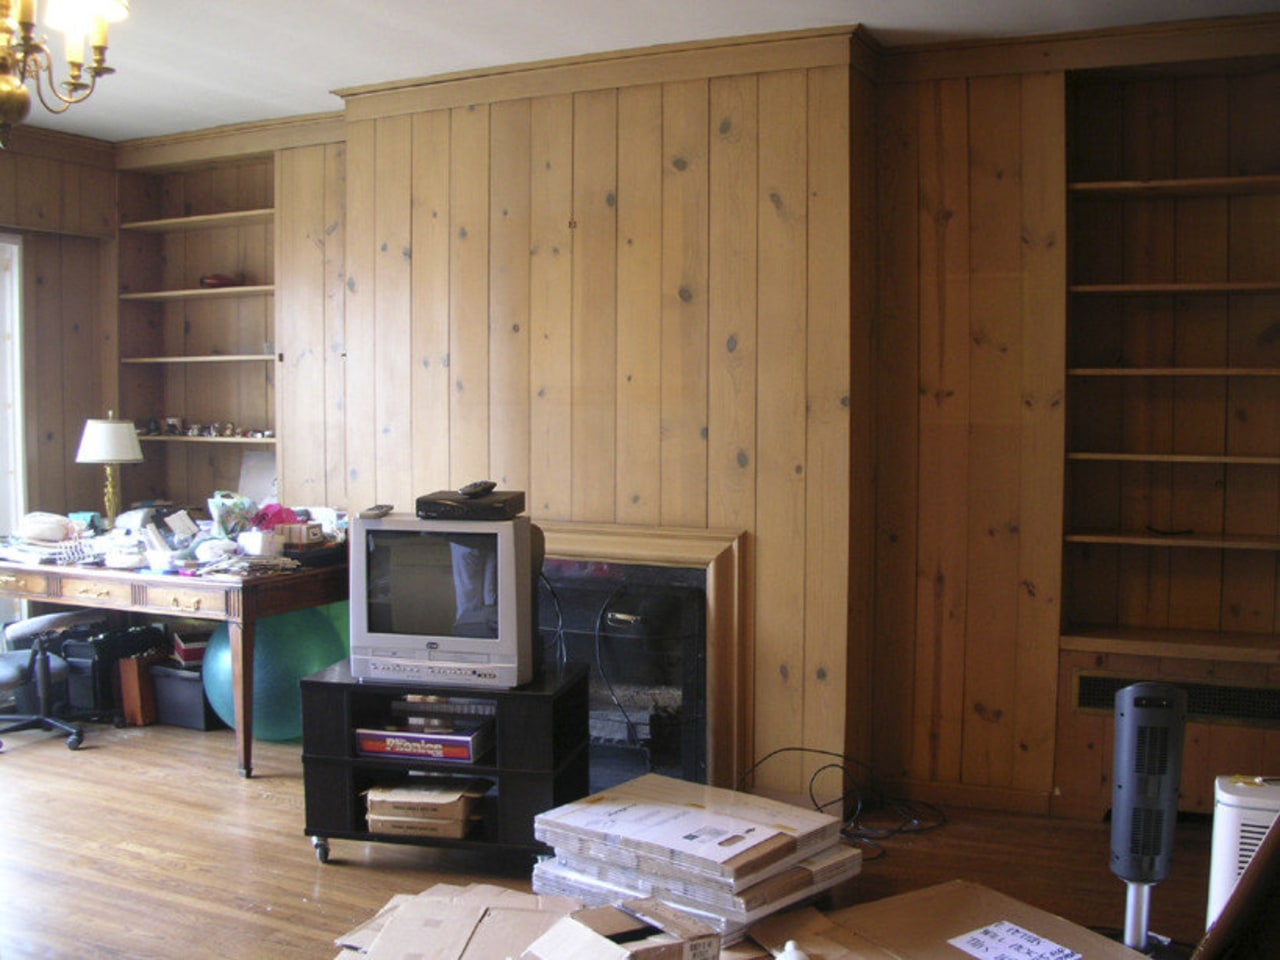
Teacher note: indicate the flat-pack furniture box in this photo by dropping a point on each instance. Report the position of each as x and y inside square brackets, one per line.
[949, 921]
[634, 930]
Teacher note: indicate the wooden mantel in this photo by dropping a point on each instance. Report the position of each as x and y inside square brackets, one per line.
[720, 552]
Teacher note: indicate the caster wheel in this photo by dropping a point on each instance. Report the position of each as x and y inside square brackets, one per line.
[75, 739]
[322, 848]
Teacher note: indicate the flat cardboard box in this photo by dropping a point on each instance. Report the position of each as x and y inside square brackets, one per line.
[634, 930]
[420, 826]
[809, 877]
[452, 799]
[450, 922]
[949, 921]
[660, 824]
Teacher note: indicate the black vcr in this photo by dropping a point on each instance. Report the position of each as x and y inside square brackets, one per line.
[452, 505]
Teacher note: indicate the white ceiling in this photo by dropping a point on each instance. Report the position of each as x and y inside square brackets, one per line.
[193, 64]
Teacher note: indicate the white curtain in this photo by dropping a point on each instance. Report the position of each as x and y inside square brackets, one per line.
[13, 494]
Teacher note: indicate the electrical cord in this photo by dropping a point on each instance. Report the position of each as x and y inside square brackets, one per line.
[557, 642]
[633, 736]
[908, 816]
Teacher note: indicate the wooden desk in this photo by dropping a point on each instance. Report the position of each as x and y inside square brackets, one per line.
[238, 603]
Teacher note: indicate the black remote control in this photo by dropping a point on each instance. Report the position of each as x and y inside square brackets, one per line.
[376, 511]
[477, 488]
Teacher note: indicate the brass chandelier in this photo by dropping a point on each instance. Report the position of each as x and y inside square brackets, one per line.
[24, 58]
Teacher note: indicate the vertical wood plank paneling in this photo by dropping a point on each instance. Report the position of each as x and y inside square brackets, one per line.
[780, 416]
[431, 385]
[43, 370]
[639, 378]
[897, 451]
[361, 370]
[944, 419]
[469, 295]
[8, 189]
[550, 308]
[684, 304]
[509, 295]
[39, 196]
[594, 335]
[827, 444]
[995, 368]
[862, 680]
[82, 391]
[334, 288]
[300, 236]
[393, 424]
[1041, 468]
[731, 314]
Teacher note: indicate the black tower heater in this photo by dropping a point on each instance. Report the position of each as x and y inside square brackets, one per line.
[1150, 718]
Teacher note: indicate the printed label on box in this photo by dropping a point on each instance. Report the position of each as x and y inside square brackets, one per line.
[685, 830]
[1007, 941]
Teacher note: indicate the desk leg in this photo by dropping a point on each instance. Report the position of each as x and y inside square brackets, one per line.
[241, 637]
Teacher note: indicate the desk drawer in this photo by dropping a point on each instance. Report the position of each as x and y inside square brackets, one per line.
[194, 601]
[23, 584]
[90, 591]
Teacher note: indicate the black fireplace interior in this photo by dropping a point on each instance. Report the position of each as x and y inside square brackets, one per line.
[642, 632]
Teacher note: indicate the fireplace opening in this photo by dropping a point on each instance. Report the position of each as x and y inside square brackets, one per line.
[641, 630]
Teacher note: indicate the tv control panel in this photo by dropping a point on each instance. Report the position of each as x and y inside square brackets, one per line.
[420, 671]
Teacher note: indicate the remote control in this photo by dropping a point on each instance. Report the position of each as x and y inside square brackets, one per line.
[477, 488]
[376, 511]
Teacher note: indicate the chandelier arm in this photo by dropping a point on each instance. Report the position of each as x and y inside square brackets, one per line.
[37, 66]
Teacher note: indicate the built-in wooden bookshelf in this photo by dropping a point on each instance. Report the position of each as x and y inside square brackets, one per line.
[1171, 554]
[197, 354]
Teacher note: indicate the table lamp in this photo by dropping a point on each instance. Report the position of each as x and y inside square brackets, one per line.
[109, 442]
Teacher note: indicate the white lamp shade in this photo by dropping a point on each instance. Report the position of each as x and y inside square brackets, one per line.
[109, 441]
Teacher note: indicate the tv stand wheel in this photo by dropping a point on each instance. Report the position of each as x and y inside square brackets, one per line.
[322, 848]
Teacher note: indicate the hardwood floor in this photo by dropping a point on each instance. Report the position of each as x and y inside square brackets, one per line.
[145, 843]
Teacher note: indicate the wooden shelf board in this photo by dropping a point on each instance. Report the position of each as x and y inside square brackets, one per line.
[1179, 541]
[1181, 187]
[1173, 372]
[1181, 644]
[241, 440]
[232, 218]
[1176, 288]
[212, 358]
[203, 293]
[1193, 458]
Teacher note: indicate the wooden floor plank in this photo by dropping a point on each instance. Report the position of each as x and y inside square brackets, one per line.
[145, 843]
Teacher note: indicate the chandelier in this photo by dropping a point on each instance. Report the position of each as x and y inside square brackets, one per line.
[23, 57]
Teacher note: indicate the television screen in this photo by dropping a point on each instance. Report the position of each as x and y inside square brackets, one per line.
[428, 583]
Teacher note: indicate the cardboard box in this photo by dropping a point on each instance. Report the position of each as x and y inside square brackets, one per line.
[453, 799]
[447, 922]
[634, 930]
[664, 826]
[945, 922]
[419, 826]
[300, 534]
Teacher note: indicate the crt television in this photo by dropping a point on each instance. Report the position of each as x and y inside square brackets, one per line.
[444, 602]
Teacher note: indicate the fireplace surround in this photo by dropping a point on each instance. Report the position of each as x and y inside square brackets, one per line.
[720, 554]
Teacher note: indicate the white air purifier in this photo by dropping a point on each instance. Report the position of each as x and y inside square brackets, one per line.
[1244, 808]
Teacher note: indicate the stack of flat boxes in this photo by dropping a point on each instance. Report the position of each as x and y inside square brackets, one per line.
[727, 858]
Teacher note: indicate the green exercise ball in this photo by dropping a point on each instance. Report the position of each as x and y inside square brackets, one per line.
[287, 648]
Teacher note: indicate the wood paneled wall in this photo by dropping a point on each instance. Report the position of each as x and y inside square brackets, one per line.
[969, 451]
[58, 194]
[629, 297]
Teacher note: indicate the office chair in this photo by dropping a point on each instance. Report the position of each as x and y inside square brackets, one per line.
[34, 663]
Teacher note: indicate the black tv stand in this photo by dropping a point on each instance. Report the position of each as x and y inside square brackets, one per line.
[538, 761]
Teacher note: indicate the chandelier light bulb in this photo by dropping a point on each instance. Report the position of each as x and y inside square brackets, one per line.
[24, 57]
